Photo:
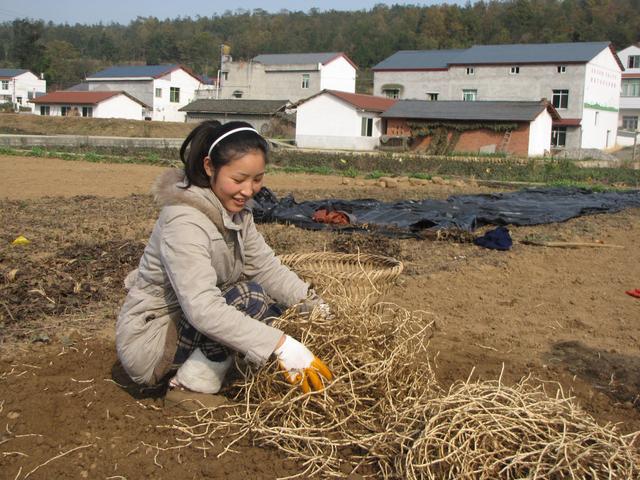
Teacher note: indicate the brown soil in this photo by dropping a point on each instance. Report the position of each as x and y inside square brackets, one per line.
[559, 315]
[28, 124]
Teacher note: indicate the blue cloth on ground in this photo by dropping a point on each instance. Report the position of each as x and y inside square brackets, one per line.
[496, 239]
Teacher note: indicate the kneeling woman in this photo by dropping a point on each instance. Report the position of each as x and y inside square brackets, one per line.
[207, 280]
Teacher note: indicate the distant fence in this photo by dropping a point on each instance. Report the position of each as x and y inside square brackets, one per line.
[88, 141]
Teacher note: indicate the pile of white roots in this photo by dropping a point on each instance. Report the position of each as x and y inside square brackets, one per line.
[384, 415]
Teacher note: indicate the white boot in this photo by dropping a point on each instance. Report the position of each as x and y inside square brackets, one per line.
[199, 374]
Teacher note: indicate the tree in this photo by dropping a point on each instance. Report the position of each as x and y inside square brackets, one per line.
[27, 49]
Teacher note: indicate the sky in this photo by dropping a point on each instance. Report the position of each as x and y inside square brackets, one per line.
[123, 11]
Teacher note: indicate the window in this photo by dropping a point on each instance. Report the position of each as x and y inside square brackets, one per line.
[19, 100]
[595, 121]
[391, 92]
[558, 136]
[45, 110]
[630, 123]
[633, 61]
[237, 94]
[631, 87]
[174, 94]
[562, 69]
[367, 127]
[305, 80]
[469, 95]
[224, 75]
[87, 111]
[432, 96]
[5, 84]
[158, 93]
[560, 98]
[65, 110]
[514, 70]
[471, 71]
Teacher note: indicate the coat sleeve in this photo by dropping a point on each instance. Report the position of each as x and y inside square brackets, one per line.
[262, 266]
[186, 251]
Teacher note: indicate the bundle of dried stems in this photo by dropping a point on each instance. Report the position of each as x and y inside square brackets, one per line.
[384, 416]
[362, 420]
[486, 430]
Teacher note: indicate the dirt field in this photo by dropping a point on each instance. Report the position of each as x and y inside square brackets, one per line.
[555, 314]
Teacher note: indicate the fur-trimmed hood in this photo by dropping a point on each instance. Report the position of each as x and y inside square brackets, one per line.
[169, 189]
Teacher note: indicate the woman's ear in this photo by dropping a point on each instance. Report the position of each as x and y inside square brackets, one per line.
[208, 166]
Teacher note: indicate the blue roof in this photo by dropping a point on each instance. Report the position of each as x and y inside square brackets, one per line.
[530, 53]
[128, 71]
[520, 53]
[12, 72]
[296, 58]
[418, 59]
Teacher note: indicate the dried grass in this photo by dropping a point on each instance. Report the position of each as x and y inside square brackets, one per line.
[384, 415]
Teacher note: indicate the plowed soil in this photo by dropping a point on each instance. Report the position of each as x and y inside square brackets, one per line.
[68, 411]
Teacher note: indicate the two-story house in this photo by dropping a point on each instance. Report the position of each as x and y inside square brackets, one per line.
[582, 80]
[630, 92]
[164, 88]
[19, 87]
[290, 76]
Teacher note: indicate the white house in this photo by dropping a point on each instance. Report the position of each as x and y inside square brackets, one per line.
[91, 104]
[629, 119]
[582, 80]
[19, 87]
[290, 76]
[164, 88]
[334, 119]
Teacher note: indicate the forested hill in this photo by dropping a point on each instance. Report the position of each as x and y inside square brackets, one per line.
[66, 53]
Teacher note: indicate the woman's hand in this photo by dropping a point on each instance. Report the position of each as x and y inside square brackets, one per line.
[300, 366]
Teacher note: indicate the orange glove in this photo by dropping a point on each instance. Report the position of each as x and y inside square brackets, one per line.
[301, 367]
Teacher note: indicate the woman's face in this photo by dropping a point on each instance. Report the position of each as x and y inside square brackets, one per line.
[238, 181]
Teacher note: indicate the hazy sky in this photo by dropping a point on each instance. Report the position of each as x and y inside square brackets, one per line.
[123, 11]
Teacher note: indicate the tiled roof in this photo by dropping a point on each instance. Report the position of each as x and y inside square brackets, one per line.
[134, 71]
[80, 98]
[238, 106]
[567, 122]
[364, 102]
[78, 87]
[11, 72]
[459, 110]
[299, 58]
[521, 53]
[580, 52]
[418, 60]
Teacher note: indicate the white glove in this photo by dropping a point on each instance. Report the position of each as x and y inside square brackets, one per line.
[199, 374]
[301, 366]
[312, 302]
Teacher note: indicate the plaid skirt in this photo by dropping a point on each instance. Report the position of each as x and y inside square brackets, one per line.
[183, 338]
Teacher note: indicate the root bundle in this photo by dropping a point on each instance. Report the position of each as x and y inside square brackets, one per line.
[384, 415]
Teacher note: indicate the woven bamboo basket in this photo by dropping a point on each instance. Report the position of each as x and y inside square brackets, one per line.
[362, 278]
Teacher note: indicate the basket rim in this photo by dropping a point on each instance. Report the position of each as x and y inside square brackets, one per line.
[369, 263]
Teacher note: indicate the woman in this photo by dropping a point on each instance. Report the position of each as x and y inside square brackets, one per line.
[207, 281]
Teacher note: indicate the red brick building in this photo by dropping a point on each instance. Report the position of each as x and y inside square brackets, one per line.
[517, 128]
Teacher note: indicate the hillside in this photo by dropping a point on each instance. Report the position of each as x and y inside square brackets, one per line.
[28, 124]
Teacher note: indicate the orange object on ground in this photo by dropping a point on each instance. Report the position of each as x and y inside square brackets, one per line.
[334, 217]
[634, 293]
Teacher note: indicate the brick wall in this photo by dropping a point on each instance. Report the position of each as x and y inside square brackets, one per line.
[469, 141]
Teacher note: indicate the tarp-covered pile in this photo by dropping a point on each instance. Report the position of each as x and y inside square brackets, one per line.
[466, 212]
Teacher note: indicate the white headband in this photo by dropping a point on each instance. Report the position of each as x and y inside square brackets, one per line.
[221, 137]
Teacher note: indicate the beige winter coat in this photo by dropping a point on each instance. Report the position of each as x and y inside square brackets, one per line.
[183, 269]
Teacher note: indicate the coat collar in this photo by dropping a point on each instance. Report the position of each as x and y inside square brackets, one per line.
[169, 190]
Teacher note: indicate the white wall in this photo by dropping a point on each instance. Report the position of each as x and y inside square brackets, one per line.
[20, 87]
[599, 132]
[119, 106]
[163, 108]
[540, 134]
[338, 74]
[327, 122]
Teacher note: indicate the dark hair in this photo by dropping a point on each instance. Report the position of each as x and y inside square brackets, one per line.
[196, 146]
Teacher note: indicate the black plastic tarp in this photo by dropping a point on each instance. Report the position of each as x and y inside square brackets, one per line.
[466, 212]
